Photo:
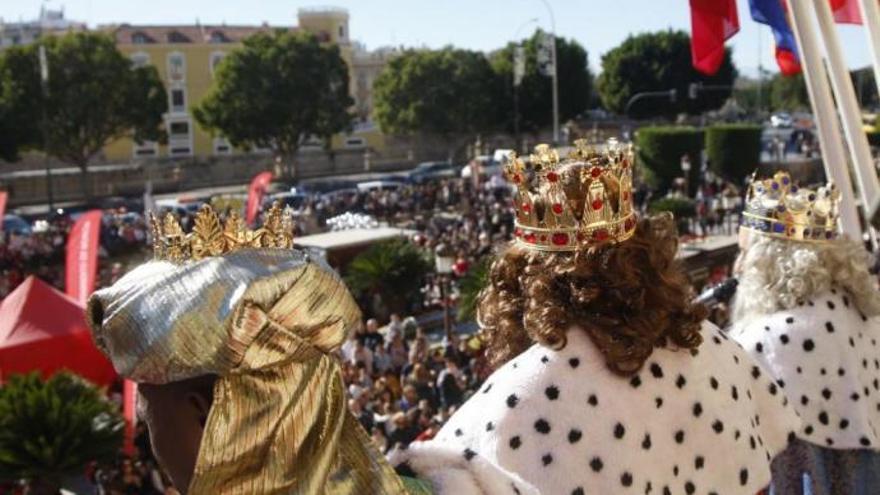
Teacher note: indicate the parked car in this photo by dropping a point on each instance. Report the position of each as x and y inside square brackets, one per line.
[295, 200]
[16, 225]
[428, 171]
[781, 120]
[379, 185]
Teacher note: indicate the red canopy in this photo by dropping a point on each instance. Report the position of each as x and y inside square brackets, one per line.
[42, 329]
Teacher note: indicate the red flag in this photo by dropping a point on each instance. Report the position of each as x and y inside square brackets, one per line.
[255, 195]
[846, 11]
[129, 412]
[712, 23]
[3, 196]
[81, 265]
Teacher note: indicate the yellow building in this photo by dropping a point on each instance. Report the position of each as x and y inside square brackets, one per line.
[185, 57]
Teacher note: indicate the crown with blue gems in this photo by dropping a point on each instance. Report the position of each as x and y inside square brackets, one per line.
[777, 207]
[583, 199]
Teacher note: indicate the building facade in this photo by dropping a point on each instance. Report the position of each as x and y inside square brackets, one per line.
[26, 32]
[185, 57]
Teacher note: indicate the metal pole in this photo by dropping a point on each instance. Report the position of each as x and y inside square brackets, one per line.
[827, 124]
[555, 75]
[44, 86]
[517, 83]
[856, 139]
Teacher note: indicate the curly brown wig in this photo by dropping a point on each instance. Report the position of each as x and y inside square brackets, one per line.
[629, 297]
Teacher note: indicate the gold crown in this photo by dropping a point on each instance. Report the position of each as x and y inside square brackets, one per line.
[776, 207]
[208, 238]
[583, 199]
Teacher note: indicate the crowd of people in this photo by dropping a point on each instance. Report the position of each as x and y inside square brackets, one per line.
[401, 389]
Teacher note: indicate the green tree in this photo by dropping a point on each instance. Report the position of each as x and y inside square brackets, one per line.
[661, 148]
[95, 96]
[392, 271]
[657, 62]
[788, 93]
[277, 91]
[535, 93]
[450, 92]
[733, 150]
[470, 287]
[52, 429]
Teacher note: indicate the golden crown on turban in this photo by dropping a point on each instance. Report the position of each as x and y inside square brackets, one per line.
[266, 320]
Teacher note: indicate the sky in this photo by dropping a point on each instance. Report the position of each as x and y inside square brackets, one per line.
[598, 25]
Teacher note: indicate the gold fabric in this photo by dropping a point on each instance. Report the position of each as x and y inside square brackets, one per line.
[265, 322]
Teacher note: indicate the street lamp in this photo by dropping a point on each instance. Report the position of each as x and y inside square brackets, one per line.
[443, 261]
[555, 74]
[519, 68]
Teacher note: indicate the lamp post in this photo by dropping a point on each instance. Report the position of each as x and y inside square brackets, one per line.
[519, 67]
[44, 86]
[555, 74]
[443, 261]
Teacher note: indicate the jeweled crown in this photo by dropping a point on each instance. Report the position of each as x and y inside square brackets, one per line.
[777, 207]
[582, 199]
[210, 238]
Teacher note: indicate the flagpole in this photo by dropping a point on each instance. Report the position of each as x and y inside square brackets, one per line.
[850, 115]
[827, 124]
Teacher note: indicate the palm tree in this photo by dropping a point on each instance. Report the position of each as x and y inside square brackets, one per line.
[470, 287]
[53, 429]
[392, 270]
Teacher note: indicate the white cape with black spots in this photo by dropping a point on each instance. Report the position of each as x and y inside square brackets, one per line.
[824, 354]
[559, 422]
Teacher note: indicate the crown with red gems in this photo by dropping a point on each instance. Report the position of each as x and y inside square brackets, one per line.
[777, 207]
[563, 204]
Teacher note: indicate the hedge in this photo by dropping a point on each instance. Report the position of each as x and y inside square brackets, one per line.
[733, 150]
[874, 138]
[660, 150]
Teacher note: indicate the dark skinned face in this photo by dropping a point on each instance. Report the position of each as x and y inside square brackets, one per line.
[175, 414]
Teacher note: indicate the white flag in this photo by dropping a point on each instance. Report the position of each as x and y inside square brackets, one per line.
[44, 65]
[545, 54]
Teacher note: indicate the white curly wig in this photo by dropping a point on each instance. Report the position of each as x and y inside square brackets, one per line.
[775, 274]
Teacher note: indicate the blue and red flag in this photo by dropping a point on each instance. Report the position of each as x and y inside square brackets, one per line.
[846, 11]
[712, 23]
[772, 13]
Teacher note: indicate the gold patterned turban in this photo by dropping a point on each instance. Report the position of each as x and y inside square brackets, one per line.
[266, 322]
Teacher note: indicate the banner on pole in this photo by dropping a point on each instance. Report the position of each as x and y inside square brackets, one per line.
[545, 54]
[846, 11]
[772, 13]
[712, 23]
[255, 195]
[81, 263]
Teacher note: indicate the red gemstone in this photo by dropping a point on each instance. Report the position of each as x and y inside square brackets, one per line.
[597, 204]
[517, 233]
[552, 177]
[628, 225]
[543, 238]
[600, 235]
[517, 178]
[526, 207]
[530, 238]
[557, 208]
[560, 239]
[580, 236]
[624, 163]
[626, 195]
[596, 172]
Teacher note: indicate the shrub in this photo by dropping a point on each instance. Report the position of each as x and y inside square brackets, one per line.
[54, 428]
[393, 271]
[680, 207]
[874, 138]
[470, 287]
[660, 150]
[734, 150]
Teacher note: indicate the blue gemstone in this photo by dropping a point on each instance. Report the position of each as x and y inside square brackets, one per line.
[775, 186]
[812, 197]
[780, 208]
[785, 180]
[778, 228]
[759, 189]
[794, 189]
[765, 226]
[829, 234]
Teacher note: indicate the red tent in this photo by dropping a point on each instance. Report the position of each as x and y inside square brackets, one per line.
[41, 329]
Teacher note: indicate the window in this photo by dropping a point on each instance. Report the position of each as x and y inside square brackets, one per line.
[145, 149]
[179, 129]
[176, 67]
[178, 100]
[140, 38]
[140, 59]
[222, 146]
[355, 142]
[177, 37]
[218, 37]
[215, 59]
[342, 31]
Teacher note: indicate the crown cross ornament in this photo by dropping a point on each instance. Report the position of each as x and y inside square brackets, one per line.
[777, 207]
[564, 203]
[210, 238]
